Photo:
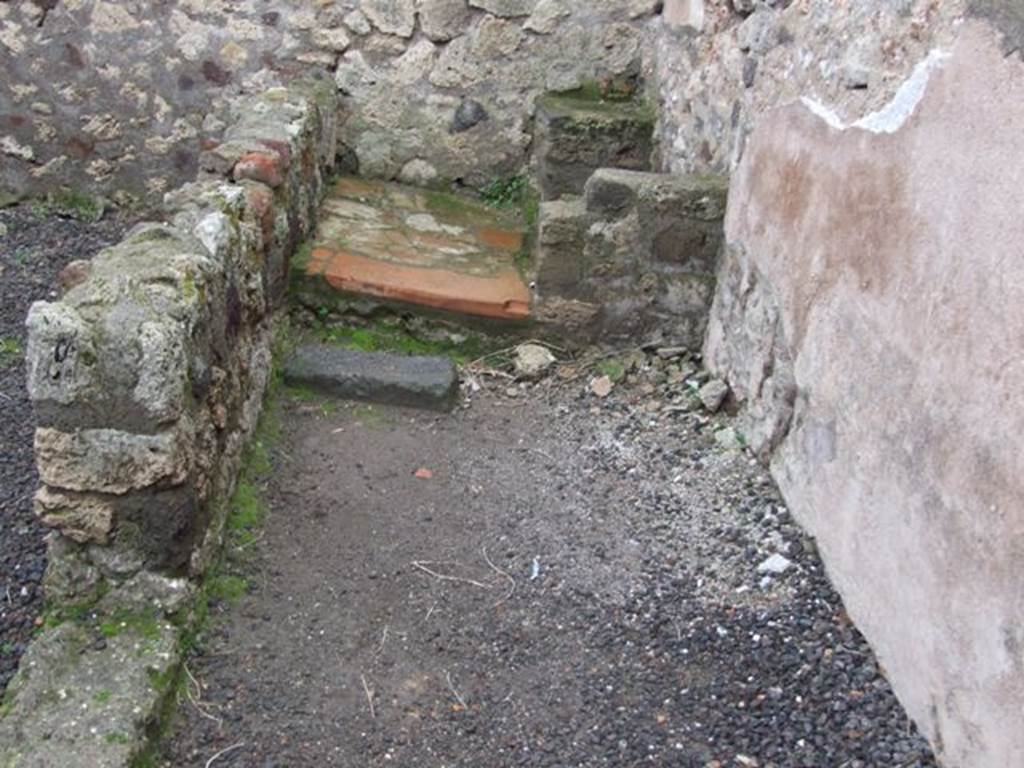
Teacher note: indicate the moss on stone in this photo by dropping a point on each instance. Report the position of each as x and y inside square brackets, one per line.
[72, 204]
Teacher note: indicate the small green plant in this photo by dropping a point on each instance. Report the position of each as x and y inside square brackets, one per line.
[227, 588]
[508, 192]
[70, 204]
[614, 369]
[116, 738]
[7, 649]
[10, 352]
[102, 697]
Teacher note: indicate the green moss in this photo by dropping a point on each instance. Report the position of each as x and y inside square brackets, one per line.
[326, 406]
[247, 509]
[614, 369]
[445, 204]
[188, 288]
[116, 738]
[227, 588]
[73, 205]
[396, 339]
[143, 624]
[163, 682]
[302, 257]
[11, 352]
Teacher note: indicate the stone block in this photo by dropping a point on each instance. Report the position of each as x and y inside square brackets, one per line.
[111, 461]
[61, 355]
[423, 382]
[506, 8]
[560, 246]
[443, 20]
[82, 518]
[576, 135]
[684, 14]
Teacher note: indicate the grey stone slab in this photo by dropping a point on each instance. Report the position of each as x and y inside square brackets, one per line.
[421, 382]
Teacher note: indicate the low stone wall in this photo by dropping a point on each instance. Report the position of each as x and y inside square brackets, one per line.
[148, 377]
[117, 98]
[869, 318]
[634, 257]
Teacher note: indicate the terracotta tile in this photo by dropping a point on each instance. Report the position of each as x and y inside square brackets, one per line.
[502, 296]
[503, 239]
[359, 189]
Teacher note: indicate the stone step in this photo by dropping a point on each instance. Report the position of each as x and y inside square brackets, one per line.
[578, 132]
[377, 377]
[390, 243]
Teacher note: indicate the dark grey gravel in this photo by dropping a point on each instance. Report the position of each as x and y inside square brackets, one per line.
[32, 252]
[639, 631]
[377, 377]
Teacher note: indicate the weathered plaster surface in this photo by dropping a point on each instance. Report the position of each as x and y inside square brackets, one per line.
[870, 317]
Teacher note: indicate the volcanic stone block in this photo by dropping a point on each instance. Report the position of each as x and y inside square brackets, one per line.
[562, 226]
[577, 135]
[421, 382]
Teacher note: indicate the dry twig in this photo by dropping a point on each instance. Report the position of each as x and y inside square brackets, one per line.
[369, 696]
[223, 752]
[503, 574]
[422, 566]
[197, 700]
[455, 693]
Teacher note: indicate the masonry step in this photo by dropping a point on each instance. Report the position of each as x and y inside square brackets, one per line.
[376, 377]
[579, 131]
[395, 244]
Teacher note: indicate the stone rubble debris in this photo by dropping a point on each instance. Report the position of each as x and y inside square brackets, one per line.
[532, 361]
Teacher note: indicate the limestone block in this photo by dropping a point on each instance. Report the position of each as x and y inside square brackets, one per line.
[547, 15]
[163, 369]
[82, 518]
[61, 355]
[443, 20]
[355, 77]
[495, 38]
[392, 17]
[684, 14]
[560, 250]
[506, 8]
[111, 461]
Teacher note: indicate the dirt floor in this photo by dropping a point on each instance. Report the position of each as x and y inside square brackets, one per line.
[34, 245]
[544, 578]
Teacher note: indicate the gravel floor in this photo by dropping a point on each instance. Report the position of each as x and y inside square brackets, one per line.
[575, 582]
[33, 249]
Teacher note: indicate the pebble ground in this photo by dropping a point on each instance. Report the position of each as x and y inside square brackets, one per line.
[34, 246]
[544, 578]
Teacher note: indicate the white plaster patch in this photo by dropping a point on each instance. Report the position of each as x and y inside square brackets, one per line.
[900, 108]
[214, 232]
[10, 146]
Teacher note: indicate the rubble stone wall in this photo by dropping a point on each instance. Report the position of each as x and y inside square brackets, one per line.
[722, 64]
[148, 374]
[118, 97]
